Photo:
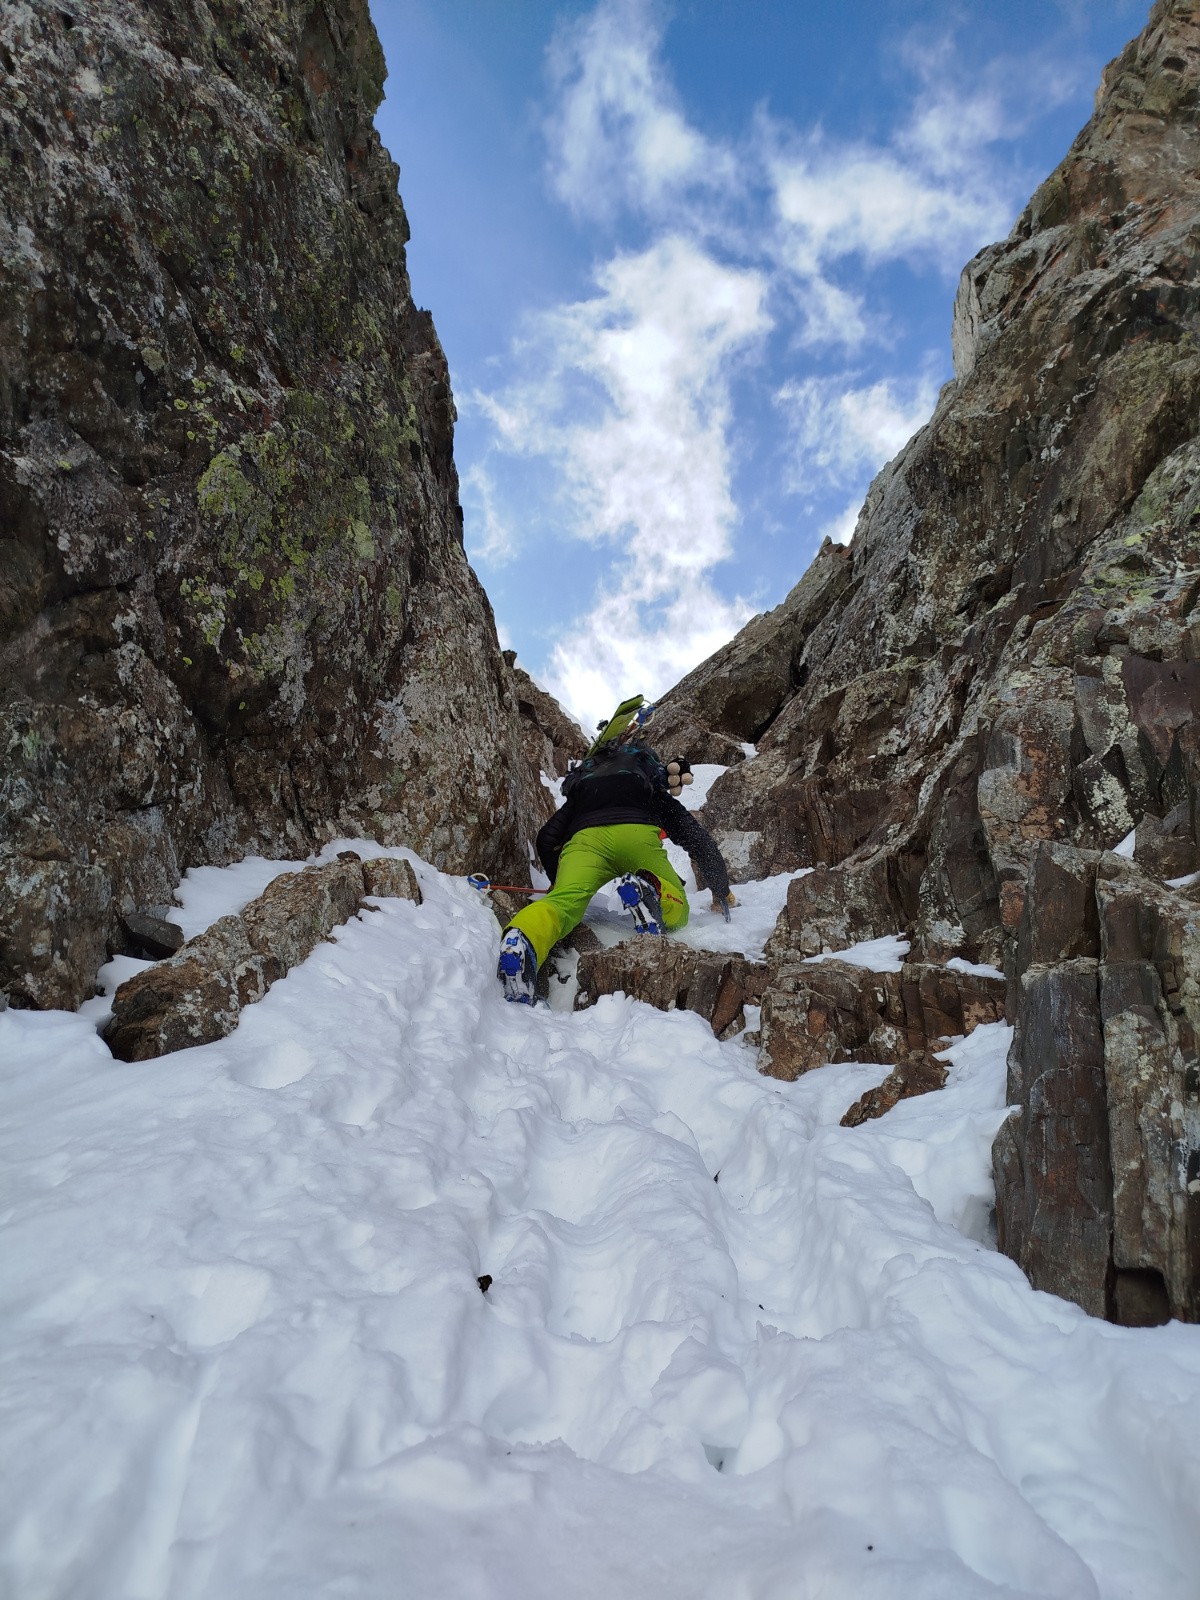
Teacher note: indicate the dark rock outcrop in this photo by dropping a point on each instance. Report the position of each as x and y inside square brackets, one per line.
[550, 738]
[672, 977]
[904, 1083]
[235, 611]
[150, 937]
[819, 1011]
[1098, 1172]
[1007, 658]
[197, 995]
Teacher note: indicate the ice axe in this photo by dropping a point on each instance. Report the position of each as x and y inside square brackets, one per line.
[484, 884]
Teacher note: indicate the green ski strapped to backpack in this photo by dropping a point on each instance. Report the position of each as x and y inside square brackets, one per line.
[620, 722]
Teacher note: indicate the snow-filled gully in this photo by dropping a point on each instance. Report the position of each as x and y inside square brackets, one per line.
[728, 1349]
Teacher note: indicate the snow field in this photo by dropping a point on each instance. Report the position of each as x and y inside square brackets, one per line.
[245, 1352]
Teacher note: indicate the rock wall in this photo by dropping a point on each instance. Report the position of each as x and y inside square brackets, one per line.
[235, 612]
[1007, 658]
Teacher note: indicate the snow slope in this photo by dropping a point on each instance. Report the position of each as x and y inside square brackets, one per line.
[245, 1352]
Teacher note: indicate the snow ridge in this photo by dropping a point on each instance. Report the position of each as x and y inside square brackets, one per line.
[247, 1353]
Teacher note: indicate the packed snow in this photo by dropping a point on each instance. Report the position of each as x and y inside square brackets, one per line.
[877, 955]
[975, 969]
[728, 1349]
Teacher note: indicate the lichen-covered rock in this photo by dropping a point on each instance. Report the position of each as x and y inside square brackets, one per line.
[299, 909]
[235, 611]
[390, 877]
[831, 908]
[192, 998]
[552, 740]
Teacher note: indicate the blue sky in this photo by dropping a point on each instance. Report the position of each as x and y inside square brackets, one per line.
[693, 266]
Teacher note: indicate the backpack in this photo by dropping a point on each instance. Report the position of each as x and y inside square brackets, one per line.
[616, 775]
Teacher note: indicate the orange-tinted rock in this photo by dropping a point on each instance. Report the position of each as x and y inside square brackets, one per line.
[914, 1078]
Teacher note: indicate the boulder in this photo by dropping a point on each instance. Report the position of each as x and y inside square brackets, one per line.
[673, 976]
[197, 995]
[831, 908]
[819, 1011]
[391, 877]
[150, 937]
[192, 998]
[295, 912]
[914, 1078]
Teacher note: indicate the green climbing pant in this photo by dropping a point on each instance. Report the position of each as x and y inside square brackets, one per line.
[589, 859]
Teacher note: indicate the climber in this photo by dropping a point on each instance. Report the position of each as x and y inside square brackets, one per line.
[618, 808]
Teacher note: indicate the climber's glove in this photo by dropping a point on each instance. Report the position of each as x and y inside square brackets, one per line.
[678, 773]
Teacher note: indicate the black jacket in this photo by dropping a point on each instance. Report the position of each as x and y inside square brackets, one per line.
[662, 811]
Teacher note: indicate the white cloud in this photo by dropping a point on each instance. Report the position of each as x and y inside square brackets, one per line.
[624, 398]
[842, 434]
[949, 130]
[841, 529]
[490, 536]
[617, 134]
[617, 650]
[841, 200]
[628, 394]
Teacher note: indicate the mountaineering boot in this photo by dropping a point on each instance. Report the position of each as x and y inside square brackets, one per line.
[640, 896]
[517, 967]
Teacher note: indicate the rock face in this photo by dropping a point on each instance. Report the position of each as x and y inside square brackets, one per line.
[1007, 657]
[197, 995]
[1007, 651]
[1098, 1173]
[551, 740]
[235, 612]
[819, 1011]
[672, 977]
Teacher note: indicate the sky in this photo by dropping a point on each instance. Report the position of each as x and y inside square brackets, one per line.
[693, 267]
